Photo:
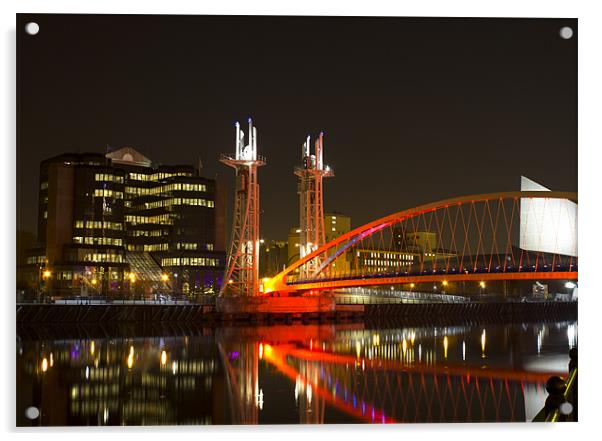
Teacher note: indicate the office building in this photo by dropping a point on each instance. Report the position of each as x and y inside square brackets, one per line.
[117, 224]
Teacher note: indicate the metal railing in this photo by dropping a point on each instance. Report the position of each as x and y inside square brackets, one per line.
[561, 404]
[200, 300]
[363, 296]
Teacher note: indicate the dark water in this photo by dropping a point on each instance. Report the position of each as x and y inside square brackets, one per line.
[292, 374]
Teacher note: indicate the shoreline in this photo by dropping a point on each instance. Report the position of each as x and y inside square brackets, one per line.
[208, 314]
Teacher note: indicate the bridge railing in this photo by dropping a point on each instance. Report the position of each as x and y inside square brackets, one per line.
[363, 296]
[561, 404]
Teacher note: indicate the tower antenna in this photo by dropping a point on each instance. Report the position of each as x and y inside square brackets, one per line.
[311, 202]
[241, 277]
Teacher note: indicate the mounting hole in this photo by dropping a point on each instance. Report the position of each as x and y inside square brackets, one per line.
[32, 28]
[32, 412]
[566, 408]
[566, 32]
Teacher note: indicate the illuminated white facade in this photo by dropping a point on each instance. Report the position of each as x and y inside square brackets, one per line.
[547, 225]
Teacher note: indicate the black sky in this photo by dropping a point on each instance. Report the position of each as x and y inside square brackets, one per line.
[413, 109]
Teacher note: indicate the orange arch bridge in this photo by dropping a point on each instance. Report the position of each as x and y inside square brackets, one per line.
[487, 237]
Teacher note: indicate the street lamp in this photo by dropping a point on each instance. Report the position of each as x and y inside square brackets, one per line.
[46, 275]
[132, 278]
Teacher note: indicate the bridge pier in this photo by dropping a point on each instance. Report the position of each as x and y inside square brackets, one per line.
[274, 305]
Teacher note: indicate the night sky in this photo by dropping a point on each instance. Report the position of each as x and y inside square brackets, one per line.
[414, 110]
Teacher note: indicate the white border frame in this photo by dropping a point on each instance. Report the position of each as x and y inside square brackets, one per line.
[590, 99]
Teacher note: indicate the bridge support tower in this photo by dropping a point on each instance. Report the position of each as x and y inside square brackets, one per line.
[241, 276]
[311, 202]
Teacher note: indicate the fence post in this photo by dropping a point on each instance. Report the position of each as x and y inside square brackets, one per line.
[556, 387]
[574, 387]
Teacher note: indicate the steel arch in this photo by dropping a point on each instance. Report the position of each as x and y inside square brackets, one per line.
[279, 283]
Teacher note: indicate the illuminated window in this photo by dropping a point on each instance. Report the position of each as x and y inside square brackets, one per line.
[103, 192]
[108, 177]
[156, 247]
[103, 257]
[89, 240]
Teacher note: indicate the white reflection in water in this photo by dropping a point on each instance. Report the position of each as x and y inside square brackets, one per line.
[571, 335]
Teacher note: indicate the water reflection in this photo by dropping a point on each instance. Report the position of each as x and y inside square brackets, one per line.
[294, 374]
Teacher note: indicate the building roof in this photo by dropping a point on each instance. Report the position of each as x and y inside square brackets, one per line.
[129, 156]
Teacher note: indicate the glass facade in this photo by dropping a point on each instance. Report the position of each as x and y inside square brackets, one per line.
[98, 214]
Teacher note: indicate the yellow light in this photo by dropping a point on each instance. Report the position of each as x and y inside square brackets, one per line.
[164, 277]
[404, 346]
[163, 358]
[47, 274]
[483, 339]
[130, 361]
[445, 283]
[482, 284]
[412, 285]
[260, 351]
[267, 350]
[92, 348]
[44, 364]
[93, 281]
[230, 281]
[358, 348]
[445, 344]
[132, 277]
[375, 340]
[51, 360]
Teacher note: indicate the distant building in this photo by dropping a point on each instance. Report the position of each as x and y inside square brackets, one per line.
[421, 242]
[384, 261]
[335, 225]
[547, 225]
[273, 257]
[293, 245]
[117, 224]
